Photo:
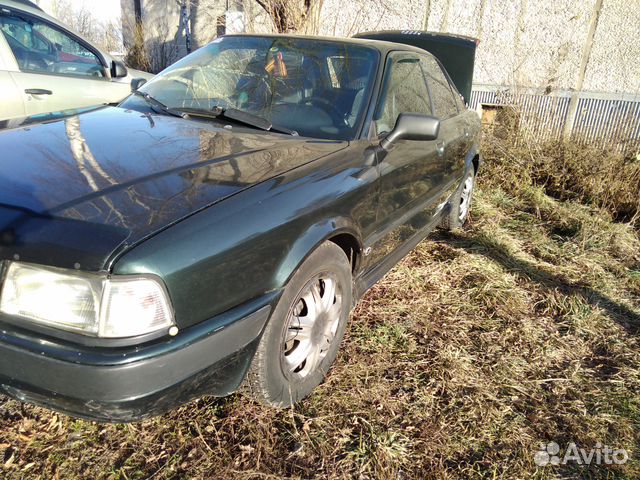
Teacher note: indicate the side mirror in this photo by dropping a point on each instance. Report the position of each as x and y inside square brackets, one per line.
[412, 126]
[118, 69]
[136, 83]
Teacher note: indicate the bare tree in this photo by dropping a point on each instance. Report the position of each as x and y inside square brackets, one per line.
[106, 34]
[109, 35]
[137, 55]
[80, 19]
[289, 16]
[151, 51]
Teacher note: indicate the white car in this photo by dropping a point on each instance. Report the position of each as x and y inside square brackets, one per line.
[46, 67]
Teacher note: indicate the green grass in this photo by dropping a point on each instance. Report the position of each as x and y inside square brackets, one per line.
[480, 345]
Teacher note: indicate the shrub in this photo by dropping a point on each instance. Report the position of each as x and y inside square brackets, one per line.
[566, 171]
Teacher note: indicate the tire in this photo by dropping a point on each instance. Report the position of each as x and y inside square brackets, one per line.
[303, 336]
[460, 203]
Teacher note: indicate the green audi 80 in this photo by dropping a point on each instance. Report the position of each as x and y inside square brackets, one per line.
[213, 232]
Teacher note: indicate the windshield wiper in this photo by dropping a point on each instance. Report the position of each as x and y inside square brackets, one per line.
[233, 114]
[238, 116]
[157, 106]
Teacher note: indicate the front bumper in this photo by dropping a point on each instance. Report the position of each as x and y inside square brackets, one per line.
[132, 383]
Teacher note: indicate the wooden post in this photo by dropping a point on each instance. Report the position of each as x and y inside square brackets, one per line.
[427, 14]
[584, 62]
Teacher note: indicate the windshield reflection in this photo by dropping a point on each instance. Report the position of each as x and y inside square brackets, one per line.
[318, 88]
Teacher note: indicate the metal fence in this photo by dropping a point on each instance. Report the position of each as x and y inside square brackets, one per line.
[603, 119]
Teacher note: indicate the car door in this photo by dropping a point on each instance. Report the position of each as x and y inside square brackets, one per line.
[453, 132]
[55, 69]
[11, 101]
[411, 172]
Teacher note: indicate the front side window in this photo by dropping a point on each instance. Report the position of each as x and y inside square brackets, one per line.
[404, 91]
[317, 88]
[444, 101]
[39, 47]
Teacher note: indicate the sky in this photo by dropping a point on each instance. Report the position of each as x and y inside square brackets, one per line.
[102, 9]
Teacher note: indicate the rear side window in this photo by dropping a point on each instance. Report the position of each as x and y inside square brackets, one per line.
[404, 91]
[41, 48]
[444, 101]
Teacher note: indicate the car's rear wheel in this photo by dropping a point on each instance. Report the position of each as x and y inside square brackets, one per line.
[304, 333]
[461, 203]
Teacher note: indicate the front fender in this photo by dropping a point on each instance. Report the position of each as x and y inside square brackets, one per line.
[313, 237]
[252, 242]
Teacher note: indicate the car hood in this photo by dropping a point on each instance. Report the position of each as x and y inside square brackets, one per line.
[75, 191]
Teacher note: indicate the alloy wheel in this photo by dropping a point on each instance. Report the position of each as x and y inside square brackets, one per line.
[311, 325]
[465, 197]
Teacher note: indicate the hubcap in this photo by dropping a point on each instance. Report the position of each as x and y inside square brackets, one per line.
[312, 325]
[465, 197]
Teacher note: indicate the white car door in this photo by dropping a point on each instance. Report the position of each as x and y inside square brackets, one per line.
[55, 70]
[11, 100]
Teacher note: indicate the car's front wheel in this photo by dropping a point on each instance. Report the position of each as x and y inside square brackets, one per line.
[302, 338]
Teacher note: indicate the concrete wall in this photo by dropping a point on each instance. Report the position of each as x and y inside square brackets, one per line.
[346, 18]
[527, 43]
[590, 45]
[614, 64]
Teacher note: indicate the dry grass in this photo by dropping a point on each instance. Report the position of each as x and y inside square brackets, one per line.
[480, 345]
[566, 171]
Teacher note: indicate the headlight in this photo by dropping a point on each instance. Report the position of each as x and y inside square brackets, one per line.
[92, 304]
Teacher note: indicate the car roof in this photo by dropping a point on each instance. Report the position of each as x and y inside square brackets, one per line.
[21, 3]
[33, 9]
[380, 45]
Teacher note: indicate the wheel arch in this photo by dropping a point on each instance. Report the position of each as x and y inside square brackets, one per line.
[340, 231]
[350, 245]
[473, 159]
[476, 163]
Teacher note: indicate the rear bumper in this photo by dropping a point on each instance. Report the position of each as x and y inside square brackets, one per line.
[132, 383]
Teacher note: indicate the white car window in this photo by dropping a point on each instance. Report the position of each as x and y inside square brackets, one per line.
[38, 47]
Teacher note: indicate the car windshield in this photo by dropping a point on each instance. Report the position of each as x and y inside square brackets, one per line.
[317, 88]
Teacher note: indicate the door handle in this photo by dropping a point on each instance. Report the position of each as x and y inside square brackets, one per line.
[38, 91]
[440, 148]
